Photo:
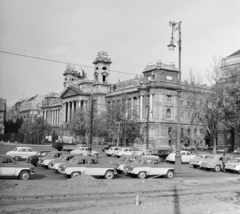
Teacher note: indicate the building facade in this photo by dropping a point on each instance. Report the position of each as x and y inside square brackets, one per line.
[155, 90]
[31, 107]
[2, 114]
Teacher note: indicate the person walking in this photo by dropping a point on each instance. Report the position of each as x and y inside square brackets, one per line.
[224, 160]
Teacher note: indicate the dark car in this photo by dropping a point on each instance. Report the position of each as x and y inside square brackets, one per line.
[35, 158]
[105, 147]
[161, 153]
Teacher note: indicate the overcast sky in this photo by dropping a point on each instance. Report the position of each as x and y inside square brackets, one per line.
[133, 32]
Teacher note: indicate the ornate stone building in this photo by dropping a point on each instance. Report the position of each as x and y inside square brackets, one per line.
[155, 89]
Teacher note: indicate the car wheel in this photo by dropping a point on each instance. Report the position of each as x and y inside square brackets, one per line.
[142, 175]
[109, 175]
[75, 174]
[17, 158]
[169, 174]
[217, 168]
[24, 175]
[194, 166]
[95, 155]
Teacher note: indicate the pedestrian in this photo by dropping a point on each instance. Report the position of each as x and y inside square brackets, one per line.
[224, 160]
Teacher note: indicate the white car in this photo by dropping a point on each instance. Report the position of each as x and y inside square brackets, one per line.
[124, 151]
[87, 166]
[21, 153]
[233, 165]
[144, 153]
[84, 151]
[197, 161]
[186, 156]
[111, 150]
[144, 167]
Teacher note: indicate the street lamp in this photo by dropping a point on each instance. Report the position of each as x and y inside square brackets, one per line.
[176, 26]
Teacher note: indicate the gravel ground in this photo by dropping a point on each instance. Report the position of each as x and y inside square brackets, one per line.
[227, 202]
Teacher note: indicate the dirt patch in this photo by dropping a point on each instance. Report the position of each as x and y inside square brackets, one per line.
[7, 184]
[80, 181]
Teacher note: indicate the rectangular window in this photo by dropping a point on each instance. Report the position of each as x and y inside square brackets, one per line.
[169, 99]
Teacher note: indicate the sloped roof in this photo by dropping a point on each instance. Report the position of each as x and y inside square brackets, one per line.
[235, 53]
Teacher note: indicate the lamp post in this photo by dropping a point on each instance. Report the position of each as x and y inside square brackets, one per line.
[176, 26]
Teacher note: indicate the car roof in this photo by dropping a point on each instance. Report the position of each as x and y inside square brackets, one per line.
[63, 152]
[23, 147]
[85, 157]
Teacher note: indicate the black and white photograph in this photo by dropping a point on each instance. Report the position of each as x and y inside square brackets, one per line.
[119, 107]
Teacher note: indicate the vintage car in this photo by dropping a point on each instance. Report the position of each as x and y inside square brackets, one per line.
[122, 161]
[196, 162]
[105, 147]
[21, 153]
[9, 167]
[222, 149]
[35, 158]
[236, 151]
[111, 150]
[233, 165]
[144, 167]
[214, 162]
[186, 156]
[144, 153]
[161, 153]
[124, 151]
[45, 161]
[54, 164]
[85, 151]
[88, 166]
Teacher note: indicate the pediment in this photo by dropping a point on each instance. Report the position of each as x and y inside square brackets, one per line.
[68, 93]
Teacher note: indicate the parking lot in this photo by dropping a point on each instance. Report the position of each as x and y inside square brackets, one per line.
[42, 173]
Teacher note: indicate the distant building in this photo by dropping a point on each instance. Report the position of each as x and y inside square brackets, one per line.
[232, 60]
[2, 114]
[13, 112]
[31, 107]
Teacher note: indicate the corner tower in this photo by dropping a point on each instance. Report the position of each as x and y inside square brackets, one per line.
[101, 68]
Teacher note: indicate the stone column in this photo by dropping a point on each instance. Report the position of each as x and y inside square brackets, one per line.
[151, 107]
[79, 104]
[51, 117]
[141, 107]
[68, 112]
[73, 109]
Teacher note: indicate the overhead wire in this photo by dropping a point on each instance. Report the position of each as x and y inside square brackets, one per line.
[58, 61]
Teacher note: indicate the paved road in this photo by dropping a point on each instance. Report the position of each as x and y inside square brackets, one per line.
[46, 174]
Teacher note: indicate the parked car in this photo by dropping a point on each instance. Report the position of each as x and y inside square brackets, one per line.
[222, 149]
[54, 164]
[233, 165]
[124, 151]
[111, 150]
[10, 167]
[44, 161]
[161, 153]
[105, 147]
[144, 153]
[21, 153]
[35, 158]
[186, 156]
[85, 151]
[236, 151]
[87, 166]
[144, 167]
[196, 162]
[214, 162]
[122, 161]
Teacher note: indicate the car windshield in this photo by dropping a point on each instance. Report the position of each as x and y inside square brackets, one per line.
[210, 157]
[73, 160]
[15, 149]
[137, 161]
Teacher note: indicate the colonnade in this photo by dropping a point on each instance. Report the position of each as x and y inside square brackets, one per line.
[70, 108]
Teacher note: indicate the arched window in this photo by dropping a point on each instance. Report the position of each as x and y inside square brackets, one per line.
[168, 114]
